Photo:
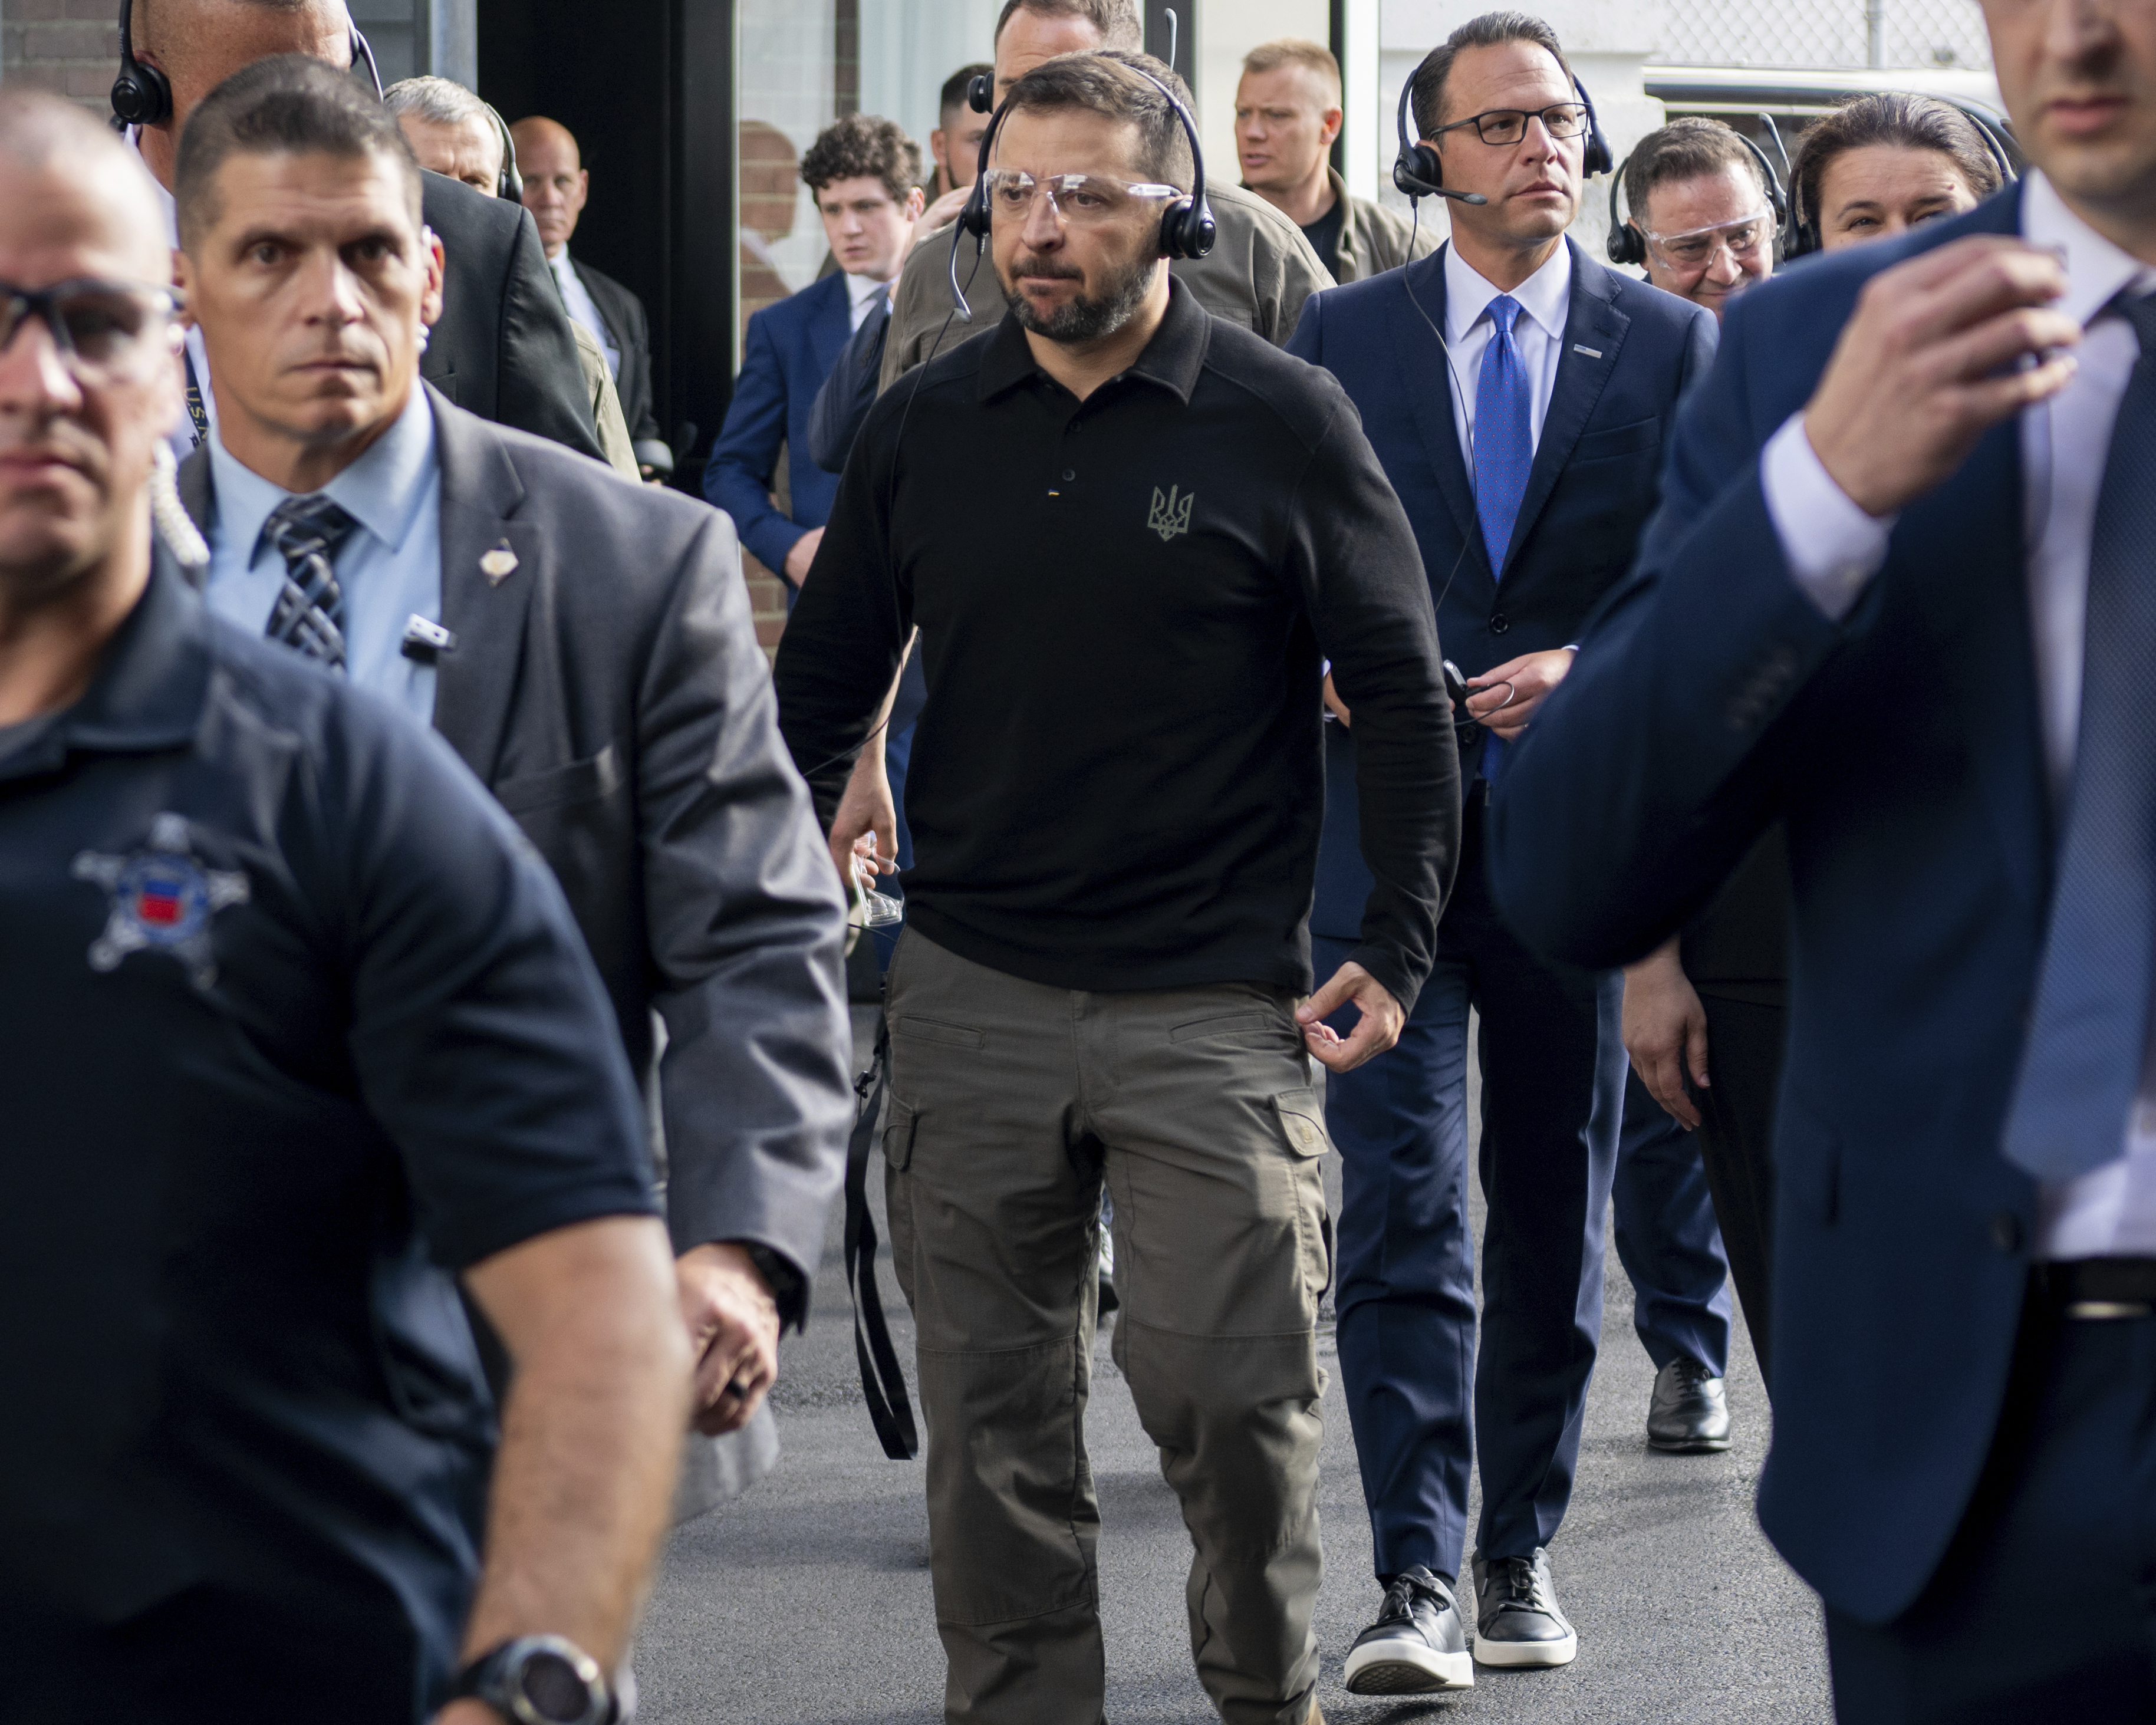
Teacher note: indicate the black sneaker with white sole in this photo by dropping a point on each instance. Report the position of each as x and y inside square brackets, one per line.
[1516, 1618]
[1417, 1645]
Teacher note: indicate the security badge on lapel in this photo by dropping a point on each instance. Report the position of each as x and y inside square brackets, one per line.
[161, 899]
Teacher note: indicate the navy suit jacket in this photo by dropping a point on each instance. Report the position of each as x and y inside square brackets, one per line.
[1630, 352]
[790, 350]
[1711, 697]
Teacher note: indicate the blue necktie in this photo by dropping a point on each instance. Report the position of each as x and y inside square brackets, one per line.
[1504, 451]
[2088, 1039]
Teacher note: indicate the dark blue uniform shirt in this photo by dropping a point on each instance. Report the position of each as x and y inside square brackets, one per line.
[293, 1026]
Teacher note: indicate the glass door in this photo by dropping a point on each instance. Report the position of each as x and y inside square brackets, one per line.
[798, 68]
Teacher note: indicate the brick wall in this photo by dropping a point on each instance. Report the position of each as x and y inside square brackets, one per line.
[71, 47]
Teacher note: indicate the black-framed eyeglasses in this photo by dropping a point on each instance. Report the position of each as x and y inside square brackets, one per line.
[100, 326]
[1508, 126]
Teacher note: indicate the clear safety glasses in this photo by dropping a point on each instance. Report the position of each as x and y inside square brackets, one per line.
[1695, 248]
[1081, 200]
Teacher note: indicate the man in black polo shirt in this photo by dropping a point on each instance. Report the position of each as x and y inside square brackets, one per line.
[299, 1034]
[1162, 525]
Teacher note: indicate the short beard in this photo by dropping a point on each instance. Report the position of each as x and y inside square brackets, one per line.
[1084, 317]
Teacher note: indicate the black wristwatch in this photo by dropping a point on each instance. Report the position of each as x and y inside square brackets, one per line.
[539, 1680]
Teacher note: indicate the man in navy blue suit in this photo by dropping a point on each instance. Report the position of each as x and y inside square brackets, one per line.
[862, 171]
[1899, 596]
[1517, 393]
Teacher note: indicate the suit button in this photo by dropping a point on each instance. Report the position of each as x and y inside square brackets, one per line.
[2006, 1232]
[1069, 473]
[1499, 623]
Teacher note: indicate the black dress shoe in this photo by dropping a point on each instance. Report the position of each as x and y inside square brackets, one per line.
[1417, 1645]
[1689, 1413]
[1516, 1619]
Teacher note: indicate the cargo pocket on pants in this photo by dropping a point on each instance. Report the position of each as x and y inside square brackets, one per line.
[1302, 1126]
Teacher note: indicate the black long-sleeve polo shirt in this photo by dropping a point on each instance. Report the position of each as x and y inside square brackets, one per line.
[1124, 605]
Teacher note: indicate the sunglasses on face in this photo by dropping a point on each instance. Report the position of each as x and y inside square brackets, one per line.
[100, 328]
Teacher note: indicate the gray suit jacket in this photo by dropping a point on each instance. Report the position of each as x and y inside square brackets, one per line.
[609, 689]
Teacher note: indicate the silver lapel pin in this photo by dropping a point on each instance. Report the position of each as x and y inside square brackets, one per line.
[497, 565]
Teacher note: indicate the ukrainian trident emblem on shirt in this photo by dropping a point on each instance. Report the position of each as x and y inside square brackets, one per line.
[1168, 517]
[161, 899]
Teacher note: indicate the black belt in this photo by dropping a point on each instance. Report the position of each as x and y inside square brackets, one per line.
[2096, 1288]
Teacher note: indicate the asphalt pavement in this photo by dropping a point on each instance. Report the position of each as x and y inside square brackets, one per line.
[806, 1602]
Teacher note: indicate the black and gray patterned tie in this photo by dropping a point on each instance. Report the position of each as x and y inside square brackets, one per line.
[309, 615]
[2088, 1039]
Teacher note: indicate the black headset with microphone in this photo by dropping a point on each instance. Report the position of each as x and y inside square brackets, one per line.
[1626, 245]
[1187, 226]
[142, 94]
[1419, 170]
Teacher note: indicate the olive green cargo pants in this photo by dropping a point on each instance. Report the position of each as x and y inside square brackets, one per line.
[1010, 1101]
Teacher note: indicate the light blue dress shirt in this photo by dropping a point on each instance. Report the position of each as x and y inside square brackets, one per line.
[389, 567]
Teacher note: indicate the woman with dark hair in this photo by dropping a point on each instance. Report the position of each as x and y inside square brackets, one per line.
[1879, 165]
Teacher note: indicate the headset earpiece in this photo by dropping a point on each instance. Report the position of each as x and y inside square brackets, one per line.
[141, 95]
[1596, 158]
[981, 92]
[1623, 242]
[1187, 230]
[973, 218]
[1418, 171]
[1803, 236]
[510, 184]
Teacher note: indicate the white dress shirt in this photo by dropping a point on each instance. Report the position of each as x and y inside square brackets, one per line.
[1833, 548]
[578, 298]
[861, 291]
[1539, 333]
[389, 567]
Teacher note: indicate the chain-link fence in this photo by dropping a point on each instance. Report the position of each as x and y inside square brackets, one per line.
[1942, 34]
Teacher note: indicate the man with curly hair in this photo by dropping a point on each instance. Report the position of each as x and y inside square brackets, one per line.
[864, 174]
